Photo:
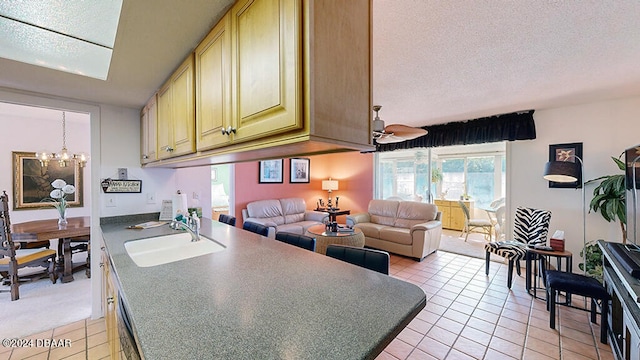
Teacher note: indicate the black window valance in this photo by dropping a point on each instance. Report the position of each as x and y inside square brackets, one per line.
[510, 127]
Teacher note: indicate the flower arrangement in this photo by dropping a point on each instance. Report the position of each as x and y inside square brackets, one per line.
[58, 198]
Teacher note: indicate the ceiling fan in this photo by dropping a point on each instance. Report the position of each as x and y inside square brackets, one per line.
[393, 133]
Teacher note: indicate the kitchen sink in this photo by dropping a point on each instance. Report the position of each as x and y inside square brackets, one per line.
[169, 248]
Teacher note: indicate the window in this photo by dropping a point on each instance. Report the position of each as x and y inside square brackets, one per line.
[477, 171]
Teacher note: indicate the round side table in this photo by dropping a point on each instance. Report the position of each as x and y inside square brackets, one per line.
[325, 238]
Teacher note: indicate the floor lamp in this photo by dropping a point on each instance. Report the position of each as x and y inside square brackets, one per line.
[566, 172]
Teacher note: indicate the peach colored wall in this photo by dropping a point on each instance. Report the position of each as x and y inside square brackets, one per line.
[353, 170]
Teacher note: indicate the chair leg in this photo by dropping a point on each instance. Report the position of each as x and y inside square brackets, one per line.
[52, 271]
[604, 321]
[594, 310]
[486, 266]
[518, 267]
[552, 308]
[15, 292]
[510, 274]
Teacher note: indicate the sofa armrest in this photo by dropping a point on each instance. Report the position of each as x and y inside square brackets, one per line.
[358, 218]
[319, 216]
[426, 226]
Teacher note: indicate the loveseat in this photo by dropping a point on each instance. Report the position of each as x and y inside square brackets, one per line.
[289, 215]
[406, 228]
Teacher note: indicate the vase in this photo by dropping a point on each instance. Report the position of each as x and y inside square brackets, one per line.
[62, 217]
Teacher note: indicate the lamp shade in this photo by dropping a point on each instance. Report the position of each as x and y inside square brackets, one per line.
[330, 185]
[562, 171]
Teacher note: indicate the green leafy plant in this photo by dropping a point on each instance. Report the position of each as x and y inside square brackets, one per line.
[592, 255]
[436, 175]
[609, 198]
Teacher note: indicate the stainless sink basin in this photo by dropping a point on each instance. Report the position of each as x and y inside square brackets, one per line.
[169, 248]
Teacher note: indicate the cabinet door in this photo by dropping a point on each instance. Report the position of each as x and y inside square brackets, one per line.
[266, 67]
[164, 145]
[110, 304]
[445, 208]
[183, 108]
[213, 88]
[457, 217]
[148, 125]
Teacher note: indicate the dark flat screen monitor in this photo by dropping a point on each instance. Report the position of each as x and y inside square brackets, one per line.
[632, 183]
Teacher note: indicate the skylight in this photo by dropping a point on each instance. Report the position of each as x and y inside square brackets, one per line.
[72, 36]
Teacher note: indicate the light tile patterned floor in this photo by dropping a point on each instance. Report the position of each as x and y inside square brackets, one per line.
[470, 315]
[85, 339]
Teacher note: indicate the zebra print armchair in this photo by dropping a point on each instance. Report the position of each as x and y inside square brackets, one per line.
[531, 227]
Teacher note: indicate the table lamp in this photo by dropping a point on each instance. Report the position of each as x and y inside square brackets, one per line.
[566, 172]
[329, 185]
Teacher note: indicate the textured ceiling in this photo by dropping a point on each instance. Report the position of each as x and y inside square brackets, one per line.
[434, 61]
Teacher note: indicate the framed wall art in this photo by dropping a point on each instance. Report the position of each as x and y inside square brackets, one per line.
[270, 171]
[566, 152]
[32, 182]
[299, 169]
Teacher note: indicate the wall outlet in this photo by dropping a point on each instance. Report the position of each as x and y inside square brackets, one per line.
[110, 201]
[122, 174]
[195, 195]
[151, 198]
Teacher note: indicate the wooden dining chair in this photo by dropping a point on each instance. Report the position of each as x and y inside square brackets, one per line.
[10, 261]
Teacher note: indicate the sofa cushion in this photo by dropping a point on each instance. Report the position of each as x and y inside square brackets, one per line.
[370, 229]
[396, 235]
[383, 211]
[266, 210]
[293, 209]
[411, 213]
[297, 228]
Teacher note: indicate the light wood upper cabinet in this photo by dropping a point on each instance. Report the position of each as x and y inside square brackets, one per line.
[213, 87]
[148, 124]
[277, 79]
[176, 113]
[266, 67]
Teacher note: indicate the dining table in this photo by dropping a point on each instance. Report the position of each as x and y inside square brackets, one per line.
[49, 229]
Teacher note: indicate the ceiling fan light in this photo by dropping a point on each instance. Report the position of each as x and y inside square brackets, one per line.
[378, 125]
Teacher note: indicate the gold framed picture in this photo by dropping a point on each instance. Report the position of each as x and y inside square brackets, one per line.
[32, 182]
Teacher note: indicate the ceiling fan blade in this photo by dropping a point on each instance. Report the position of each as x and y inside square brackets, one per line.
[389, 139]
[405, 132]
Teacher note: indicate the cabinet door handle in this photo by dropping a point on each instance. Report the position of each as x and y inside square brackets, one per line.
[145, 156]
[228, 130]
[167, 148]
[110, 300]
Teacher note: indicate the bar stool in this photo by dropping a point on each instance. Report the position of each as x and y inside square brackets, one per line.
[580, 285]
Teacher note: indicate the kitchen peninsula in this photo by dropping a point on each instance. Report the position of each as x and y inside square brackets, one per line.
[259, 299]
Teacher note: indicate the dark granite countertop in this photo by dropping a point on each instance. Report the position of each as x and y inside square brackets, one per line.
[257, 299]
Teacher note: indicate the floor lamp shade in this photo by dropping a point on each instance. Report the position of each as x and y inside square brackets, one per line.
[562, 171]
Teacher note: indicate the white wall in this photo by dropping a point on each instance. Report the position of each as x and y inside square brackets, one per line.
[605, 129]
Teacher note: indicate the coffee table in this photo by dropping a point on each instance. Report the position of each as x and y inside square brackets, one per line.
[325, 238]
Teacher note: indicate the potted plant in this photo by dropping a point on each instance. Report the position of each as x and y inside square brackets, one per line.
[609, 198]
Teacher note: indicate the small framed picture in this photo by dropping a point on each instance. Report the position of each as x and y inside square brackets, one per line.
[299, 170]
[566, 152]
[270, 171]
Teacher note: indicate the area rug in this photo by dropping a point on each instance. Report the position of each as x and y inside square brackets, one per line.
[452, 242]
[44, 306]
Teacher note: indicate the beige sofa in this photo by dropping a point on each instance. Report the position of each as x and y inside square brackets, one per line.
[289, 215]
[402, 227]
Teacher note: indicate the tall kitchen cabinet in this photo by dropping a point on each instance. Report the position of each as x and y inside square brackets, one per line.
[148, 123]
[176, 113]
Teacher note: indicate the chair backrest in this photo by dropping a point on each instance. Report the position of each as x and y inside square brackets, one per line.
[465, 210]
[371, 259]
[255, 228]
[7, 247]
[531, 226]
[227, 219]
[301, 241]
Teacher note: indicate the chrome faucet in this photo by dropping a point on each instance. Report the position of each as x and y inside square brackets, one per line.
[192, 226]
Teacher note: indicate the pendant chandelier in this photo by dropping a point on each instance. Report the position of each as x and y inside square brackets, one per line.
[63, 157]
